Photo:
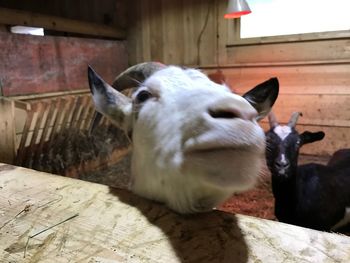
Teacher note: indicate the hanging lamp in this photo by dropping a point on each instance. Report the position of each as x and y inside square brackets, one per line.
[237, 8]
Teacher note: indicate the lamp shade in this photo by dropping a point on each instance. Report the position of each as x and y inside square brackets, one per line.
[237, 8]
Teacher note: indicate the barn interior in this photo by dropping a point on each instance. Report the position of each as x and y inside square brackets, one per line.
[46, 108]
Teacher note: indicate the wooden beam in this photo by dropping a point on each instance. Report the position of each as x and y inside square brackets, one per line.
[25, 18]
[48, 95]
[7, 131]
[49, 218]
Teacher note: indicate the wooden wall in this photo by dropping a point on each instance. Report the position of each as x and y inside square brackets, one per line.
[179, 32]
[77, 34]
[314, 75]
[108, 12]
[58, 61]
[32, 64]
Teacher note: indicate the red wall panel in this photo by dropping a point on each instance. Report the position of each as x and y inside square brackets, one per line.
[35, 64]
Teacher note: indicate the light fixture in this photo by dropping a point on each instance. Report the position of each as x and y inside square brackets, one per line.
[237, 8]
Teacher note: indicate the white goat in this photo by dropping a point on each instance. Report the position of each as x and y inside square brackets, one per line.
[194, 141]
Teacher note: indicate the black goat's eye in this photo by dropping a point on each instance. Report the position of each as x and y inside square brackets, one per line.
[143, 95]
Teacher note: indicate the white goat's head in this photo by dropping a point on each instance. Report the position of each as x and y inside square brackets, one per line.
[194, 141]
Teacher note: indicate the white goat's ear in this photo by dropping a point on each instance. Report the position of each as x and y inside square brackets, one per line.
[263, 96]
[111, 103]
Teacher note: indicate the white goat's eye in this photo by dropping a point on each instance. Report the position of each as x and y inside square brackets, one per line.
[143, 95]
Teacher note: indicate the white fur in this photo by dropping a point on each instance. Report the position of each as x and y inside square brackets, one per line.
[282, 131]
[184, 157]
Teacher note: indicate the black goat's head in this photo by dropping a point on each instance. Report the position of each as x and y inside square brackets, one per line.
[283, 143]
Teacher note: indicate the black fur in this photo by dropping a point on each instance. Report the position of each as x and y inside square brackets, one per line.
[311, 195]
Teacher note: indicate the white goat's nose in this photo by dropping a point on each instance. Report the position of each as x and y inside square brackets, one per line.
[231, 108]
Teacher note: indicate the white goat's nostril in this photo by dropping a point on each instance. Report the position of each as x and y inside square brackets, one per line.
[224, 114]
[231, 113]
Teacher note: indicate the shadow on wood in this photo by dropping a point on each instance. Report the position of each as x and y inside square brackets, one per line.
[205, 237]
[75, 221]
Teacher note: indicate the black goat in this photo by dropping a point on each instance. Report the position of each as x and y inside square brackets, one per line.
[311, 195]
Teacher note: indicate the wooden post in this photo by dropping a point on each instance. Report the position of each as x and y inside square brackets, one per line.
[7, 131]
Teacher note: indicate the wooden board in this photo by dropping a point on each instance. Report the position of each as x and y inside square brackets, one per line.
[70, 220]
[327, 79]
[7, 131]
[318, 50]
[173, 32]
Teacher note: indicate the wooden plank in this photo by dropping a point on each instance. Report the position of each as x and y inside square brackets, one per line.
[82, 112]
[7, 131]
[206, 36]
[88, 119]
[21, 98]
[222, 35]
[319, 110]
[190, 50]
[39, 109]
[25, 18]
[46, 130]
[143, 51]
[21, 104]
[73, 220]
[157, 46]
[21, 151]
[58, 118]
[75, 110]
[20, 120]
[66, 116]
[299, 79]
[86, 116]
[173, 32]
[136, 32]
[290, 52]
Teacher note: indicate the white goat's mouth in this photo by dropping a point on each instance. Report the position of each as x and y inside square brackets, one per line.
[198, 149]
[211, 147]
[224, 167]
[226, 140]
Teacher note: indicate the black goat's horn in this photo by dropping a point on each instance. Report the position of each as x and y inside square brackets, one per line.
[294, 118]
[272, 120]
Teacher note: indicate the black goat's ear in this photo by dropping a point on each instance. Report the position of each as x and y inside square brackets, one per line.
[263, 96]
[309, 137]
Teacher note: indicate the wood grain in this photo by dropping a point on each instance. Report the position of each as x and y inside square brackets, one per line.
[320, 92]
[7, 131]
[116, 226]
[32, 64]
